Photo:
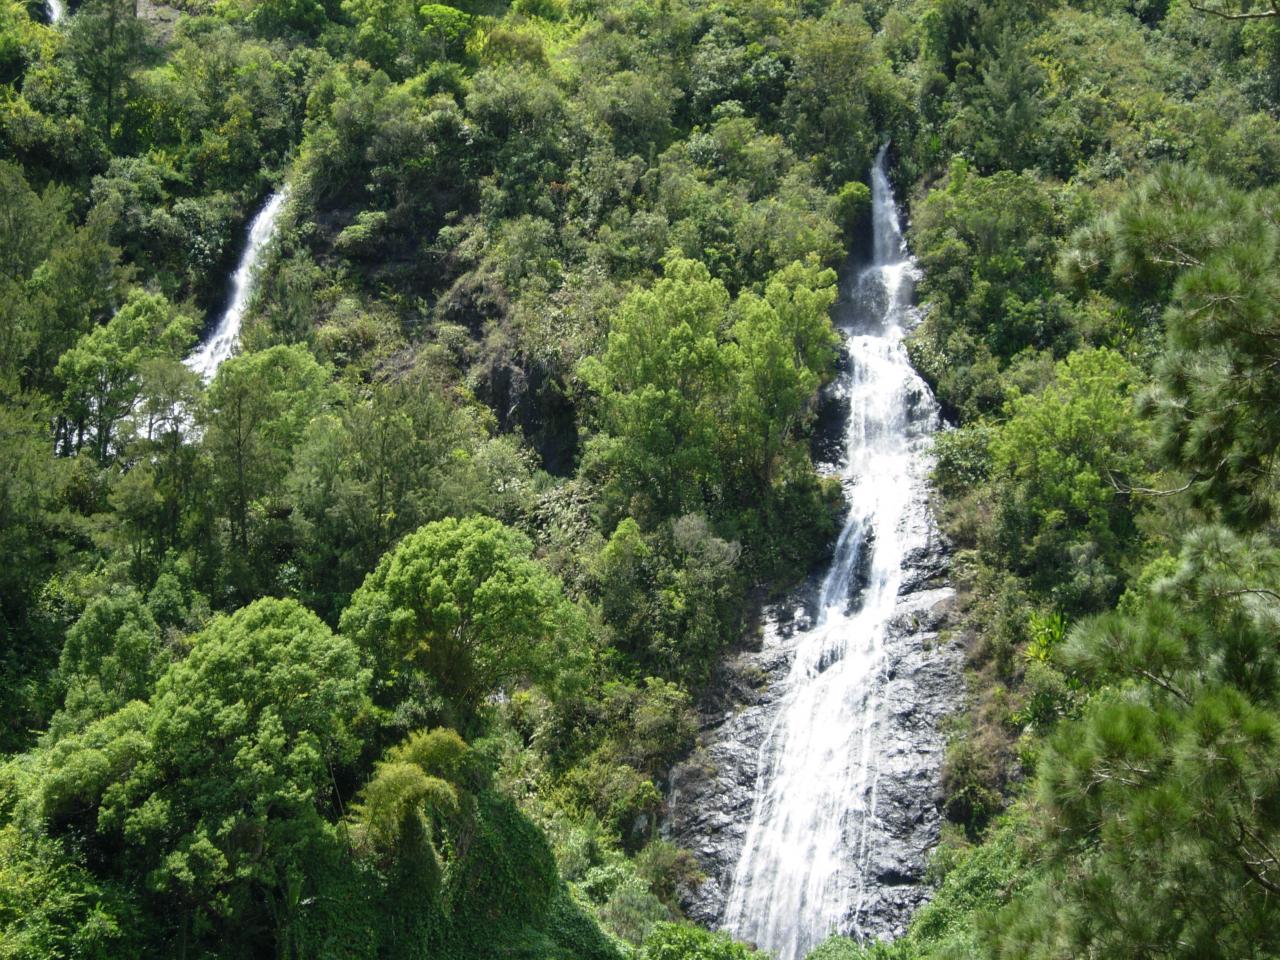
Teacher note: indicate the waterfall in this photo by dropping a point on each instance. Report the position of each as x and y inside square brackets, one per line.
[807, 860]
[57, 10]
[226, 334]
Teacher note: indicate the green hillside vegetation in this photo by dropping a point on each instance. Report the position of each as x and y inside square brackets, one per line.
[383, 642]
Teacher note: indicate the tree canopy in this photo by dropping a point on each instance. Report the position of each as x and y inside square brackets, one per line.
[388, 640]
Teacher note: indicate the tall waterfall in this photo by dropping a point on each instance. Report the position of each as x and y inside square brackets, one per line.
[226, 334]
[807, 857]
[57, 10]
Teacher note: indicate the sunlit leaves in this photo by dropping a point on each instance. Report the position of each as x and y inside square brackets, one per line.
[465, 606]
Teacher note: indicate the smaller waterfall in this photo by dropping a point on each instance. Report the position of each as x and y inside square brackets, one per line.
[57, 10]
[226, 334]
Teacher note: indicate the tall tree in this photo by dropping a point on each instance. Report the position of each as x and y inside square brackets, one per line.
[255, 413]
[1210, 252]
[663, 382]
[786, 348]
[215, 790]
[102, 374]
[108, 43]
[463, 607]
[1162, 802]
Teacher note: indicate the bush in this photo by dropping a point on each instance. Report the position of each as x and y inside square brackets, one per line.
[680, 941]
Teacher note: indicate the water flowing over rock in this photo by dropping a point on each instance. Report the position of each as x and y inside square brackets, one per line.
[57, 10]
[218, 346]
[813, 799]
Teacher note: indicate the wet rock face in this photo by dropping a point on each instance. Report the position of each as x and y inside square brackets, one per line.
[813, 801]
[711, 795]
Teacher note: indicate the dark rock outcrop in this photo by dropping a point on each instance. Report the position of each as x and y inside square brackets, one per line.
[711, 795]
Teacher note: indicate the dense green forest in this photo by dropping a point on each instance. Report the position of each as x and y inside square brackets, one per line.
[382, 642]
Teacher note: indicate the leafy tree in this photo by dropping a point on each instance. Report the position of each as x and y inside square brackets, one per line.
[987, 246]
[51, 906]
[444, 29]
[465, 868]
[671, 596]
[417, 800]
[637, 107]
[663, 381]
[1219, 398]
[1066, 454]
[78, 282]
[1209, 249]
[32, 224]
[101, 374]
[31, 533]
[787, 347]
[659, 719]
[383, 466]
[839, 89]
[464, 606]
[386, 33]
[160, 502]
[276, 17]
[180, 242]
[214, 791]
[108, 43]
[1003, 104]
[255, 413]
[111, 656]
[672, 941]
[853, 208]
[520, 122]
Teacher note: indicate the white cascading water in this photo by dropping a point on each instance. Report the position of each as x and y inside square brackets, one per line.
[57, 10]
[226, 334]
[804, 864]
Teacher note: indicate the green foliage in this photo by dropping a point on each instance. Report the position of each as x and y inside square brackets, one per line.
[667, 380]
[112, 655]
[838, 83]
[51, 906]
[464, 607]
[853, 208]
[108, 43]
[786, 349]
[592, 239]
[214, 791]
[101, 373]
[670, 941]
[244, 733]
[392, 458]
[1065, 456]
[401, 37]
[418, 793]
[255, 414]
[962, 458]
[670, 597]
[30, 504]
[58, 283]
[1167, 272]
[842, 948]
[987, 247]
[181, 242]
[661, 380]
[1212, 401]
[1164, 784]
[444, 29]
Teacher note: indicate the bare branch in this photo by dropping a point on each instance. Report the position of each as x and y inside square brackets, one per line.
[1163, 684]
[1228, 15]
[1147, 491]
